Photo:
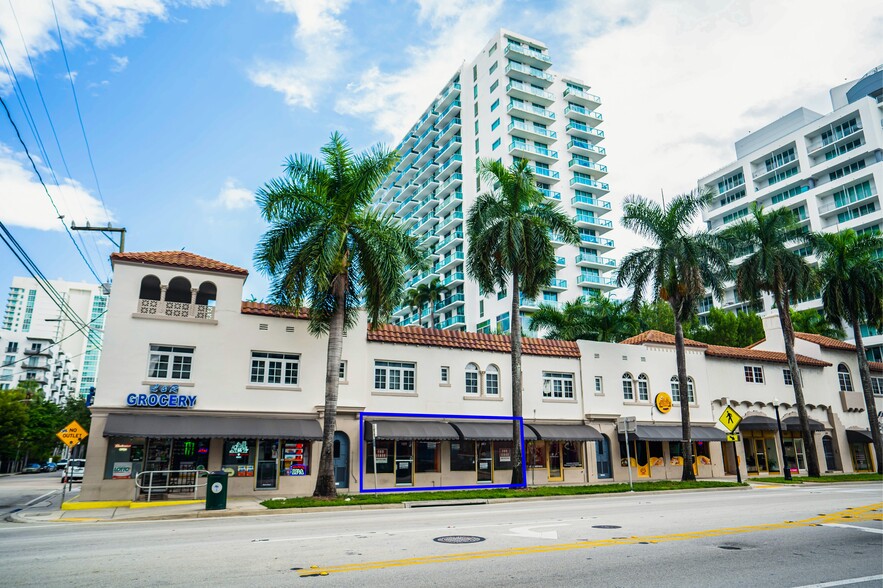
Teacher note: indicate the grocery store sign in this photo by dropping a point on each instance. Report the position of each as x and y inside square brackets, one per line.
[162, 397]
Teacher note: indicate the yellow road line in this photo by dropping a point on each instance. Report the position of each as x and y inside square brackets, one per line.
[864, 513]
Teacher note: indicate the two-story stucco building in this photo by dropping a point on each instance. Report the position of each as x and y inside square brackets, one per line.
[192, 378]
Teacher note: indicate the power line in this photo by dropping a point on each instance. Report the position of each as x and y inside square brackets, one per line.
[46, 189]
[60, 341]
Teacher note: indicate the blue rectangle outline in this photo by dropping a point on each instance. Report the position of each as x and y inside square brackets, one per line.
[363, 490]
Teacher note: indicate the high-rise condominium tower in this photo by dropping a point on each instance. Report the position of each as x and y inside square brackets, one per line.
[506, 104]
[828, 169]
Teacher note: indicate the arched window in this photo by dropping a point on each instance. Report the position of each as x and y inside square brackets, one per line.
[844, 377]
[492, 381]
[675, 390]
[628, 390]
[471, 379]
[150, 288]
[178, 290]
[691, 391]
[643, 387]
[207, 294]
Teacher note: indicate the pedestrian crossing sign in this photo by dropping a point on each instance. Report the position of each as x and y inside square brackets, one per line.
[730, 419]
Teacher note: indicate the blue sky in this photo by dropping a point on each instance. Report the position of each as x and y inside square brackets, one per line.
[191, 106]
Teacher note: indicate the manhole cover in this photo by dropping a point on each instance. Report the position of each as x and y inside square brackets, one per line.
[730, 547]
[458, 539]
[606, 527]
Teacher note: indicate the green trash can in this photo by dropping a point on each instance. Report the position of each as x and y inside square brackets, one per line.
[216, 491]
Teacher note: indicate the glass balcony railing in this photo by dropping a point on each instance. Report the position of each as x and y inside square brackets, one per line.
[454, 277]
[589, 201]
[532, 129]
[593, 279]
[539, 110]
[583, 111]
[533, 149]
[550, 194]
[587, 181]
[557, 283]
[514, 85]
[525, 50]
[587, 146]
[587, 218]
[595, 240]
[577, 126]
[581, 94]
[596, 259]
[545, 172]
[531, 71]
[454, 320]
[582, 161]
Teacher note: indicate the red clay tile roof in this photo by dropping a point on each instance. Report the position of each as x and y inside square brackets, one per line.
[722, 351]
[876, 366]
[264, 309]
[183, 259]
[660, 338]
[474, 341]
[826, 342]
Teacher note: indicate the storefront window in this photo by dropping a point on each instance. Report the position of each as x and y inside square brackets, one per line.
[657, 457]
[502, 455]
[794, 454]
[238, 458]
[463, 456]
[428, 456]
[536, 454]
[702, 452]
[573, 457]
[385, 456]
[125, 459]
[295, 458]
[190, 454]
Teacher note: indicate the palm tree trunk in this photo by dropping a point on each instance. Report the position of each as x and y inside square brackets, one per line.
[325, 480]
[809, 443]
[865, 375]
[687, 443]
[515, 339]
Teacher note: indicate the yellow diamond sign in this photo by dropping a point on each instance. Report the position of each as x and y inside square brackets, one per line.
[730, 419]
[72, 434]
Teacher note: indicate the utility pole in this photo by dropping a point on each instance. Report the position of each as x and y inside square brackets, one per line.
[104, 231]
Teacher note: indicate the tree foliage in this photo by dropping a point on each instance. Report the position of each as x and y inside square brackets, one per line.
[733, 329]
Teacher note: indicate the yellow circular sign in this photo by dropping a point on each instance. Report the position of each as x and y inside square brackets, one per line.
[663, 402]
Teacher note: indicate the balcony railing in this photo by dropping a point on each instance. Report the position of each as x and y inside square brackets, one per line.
[176, 309]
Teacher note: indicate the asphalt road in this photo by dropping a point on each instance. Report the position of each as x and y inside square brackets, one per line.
[32, 492]
[793, 536]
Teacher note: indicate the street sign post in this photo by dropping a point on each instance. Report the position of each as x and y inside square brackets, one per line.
[733, 437]
[72, 434]
[730, 419]
[626, 425]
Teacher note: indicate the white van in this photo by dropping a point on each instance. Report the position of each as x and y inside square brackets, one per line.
[74, 470]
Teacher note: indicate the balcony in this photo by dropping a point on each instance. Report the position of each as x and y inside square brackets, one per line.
[523, 91]
[531, 131]
[424, 224]
[451, 165]
[588, 183]
[455, 279]
[531, 112]
[527, 55]
[451, 184]
[450, 93]
[595, 261]
[425, 123]
[178, 310]
[407, 159]
[589, 203]
[834, 207]
[560, 262]
[550, 194]
[586, 149]
[449, 302]
[42, 352]
[816, 146]
[448, 148]
[523, 150]
[426, 205]
[578, 129]
[450, 130]
[425, 173]
[588, 221]
[593, 281]
[531, 75]
[427, 240]
[547, 174]
[762, 173]
[447, 263]
[426, 189]
[454, 220]
[582, 98]
[405, 207]
[596, 242]
[449, 203]
[449, 114]
[425, 154]
[455, 321]
[576, 112]
[581, 164]
[557, 285]
[449, 242]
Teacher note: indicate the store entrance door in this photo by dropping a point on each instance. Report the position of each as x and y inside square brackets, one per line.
[404, 464]
[556, 474]
[266, 477]
[341, 460]
[485, 463]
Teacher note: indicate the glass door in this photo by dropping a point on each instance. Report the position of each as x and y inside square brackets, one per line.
[556, 473]
[602, 451]
[860, 460]
[485, 463]
[760, 454]
[772, 456]
[341, 459]
[268, 454]
[404, 464]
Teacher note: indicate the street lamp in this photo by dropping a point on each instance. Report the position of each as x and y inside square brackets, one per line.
[785, 469]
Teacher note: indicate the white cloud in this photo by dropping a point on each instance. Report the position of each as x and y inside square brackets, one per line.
[23, 202]
[233, 196]
[393, 100]
[318, 37]
[119, 63]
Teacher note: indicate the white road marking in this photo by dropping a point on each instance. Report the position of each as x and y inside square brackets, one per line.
[844, 582]
[529, 532]
[39, 498]
[857, 528]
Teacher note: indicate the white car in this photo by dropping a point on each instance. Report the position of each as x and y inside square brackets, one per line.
[74, 471]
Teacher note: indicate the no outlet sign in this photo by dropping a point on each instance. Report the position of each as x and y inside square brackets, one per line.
[72, 434]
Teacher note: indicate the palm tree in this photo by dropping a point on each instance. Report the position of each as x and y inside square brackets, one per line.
[327, 247]
[851, 272]
[509, 230]
[430, 294]
[771, 267]
[679, 266]
[597, 318]
[813, 321]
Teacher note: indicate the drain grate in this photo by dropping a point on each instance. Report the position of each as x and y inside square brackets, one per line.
[459, 539]
[606, 527]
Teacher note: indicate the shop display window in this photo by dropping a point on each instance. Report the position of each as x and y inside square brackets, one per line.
[428, 456]
[385, 456]
[238, 460]
[503, 455]
[125, 459]
[295, 458]
[573, 457]
[536, 454]
[462, 456]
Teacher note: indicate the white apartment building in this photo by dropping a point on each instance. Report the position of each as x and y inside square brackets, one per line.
[39, 359]
[31, 312]
[827, 168]
[506, 104]
[192, 378]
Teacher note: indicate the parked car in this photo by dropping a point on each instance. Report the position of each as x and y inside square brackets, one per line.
[49, 467]
[61, 464]
[32, 468]
[74, 470]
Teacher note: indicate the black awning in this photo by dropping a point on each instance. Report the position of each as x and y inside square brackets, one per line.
[425, 430]
[792, 423]
[673, 433]
[565, 432]
[758, 423]
[203, 426]
[487, 431]
[859, 436]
